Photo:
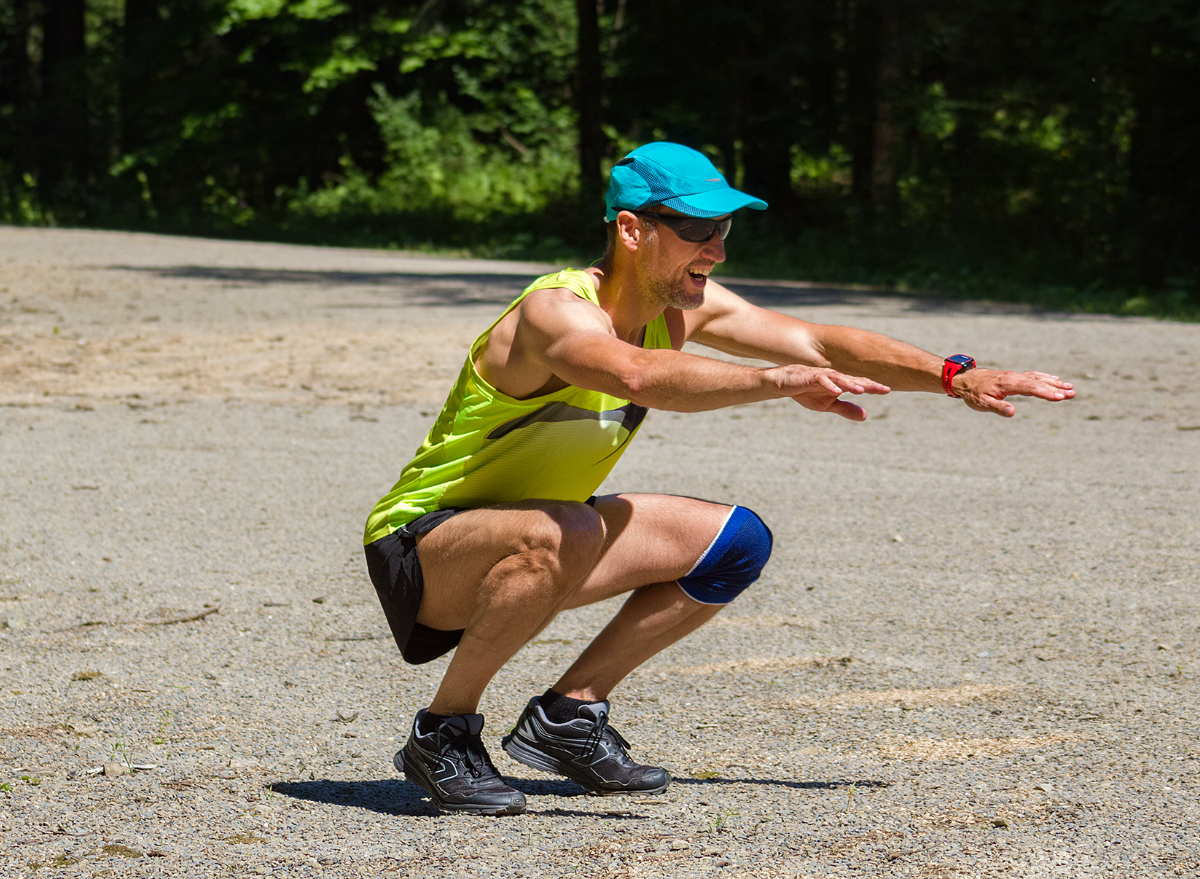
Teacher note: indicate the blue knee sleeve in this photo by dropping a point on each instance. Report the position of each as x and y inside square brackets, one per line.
[732, 561]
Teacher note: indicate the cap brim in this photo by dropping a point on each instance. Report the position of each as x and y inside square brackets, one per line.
[714, 203]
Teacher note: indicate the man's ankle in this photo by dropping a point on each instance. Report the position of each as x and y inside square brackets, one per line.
[559, 708]
[427, 722]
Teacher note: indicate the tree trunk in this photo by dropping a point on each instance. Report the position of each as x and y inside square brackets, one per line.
[589, 95]
[63, 142]
[16, 90]
[766, 145]
[137, 33]
[862, 81]
[883, 139]
[1164, 182]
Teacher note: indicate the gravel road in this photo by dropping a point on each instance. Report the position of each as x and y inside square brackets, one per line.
[974, 653]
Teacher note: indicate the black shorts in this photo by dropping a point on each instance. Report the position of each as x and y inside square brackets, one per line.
[396, 573]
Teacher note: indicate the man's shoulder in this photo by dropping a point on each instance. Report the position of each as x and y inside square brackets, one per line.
[580, 283]
[556, 309]
[570, 288]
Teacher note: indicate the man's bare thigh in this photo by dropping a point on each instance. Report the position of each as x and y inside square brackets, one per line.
[647, 538]
[457, 556]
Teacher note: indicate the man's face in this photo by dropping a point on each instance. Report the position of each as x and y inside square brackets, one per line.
[674, 272]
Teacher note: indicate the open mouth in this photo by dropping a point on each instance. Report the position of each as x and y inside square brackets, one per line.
[699, 276]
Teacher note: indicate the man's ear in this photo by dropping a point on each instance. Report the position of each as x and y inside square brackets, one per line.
[631, 234]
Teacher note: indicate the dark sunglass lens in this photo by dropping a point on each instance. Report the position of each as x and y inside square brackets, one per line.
[696, 229]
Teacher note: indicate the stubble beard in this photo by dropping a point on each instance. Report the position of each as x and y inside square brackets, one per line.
[670, 293]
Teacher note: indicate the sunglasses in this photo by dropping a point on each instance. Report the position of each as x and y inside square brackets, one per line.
[694, 229]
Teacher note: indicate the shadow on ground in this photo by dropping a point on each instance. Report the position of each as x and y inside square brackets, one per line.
[390, 796]
[502, 286]
[396, 797]
[862, 784]
[416, 288]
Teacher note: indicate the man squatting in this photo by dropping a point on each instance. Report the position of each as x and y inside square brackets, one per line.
[494, 527]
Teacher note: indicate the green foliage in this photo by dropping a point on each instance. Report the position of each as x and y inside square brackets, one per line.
[1009, 149]
[19, 201]
[479, 131]
[440, 157]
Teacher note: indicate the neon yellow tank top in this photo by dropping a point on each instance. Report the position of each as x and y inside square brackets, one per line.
[488, 448]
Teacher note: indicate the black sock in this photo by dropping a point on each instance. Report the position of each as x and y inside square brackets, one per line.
[428, 722]
[559, 708]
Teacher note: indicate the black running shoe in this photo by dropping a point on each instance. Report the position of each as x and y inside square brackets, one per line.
[586, 750]
[452, 764]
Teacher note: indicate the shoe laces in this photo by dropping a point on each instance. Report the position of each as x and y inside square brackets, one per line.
[601, 731]
[475, 756]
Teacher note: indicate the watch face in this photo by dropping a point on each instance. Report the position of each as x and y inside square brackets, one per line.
[962, 359]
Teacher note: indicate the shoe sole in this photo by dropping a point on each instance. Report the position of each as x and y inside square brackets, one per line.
[523, 752]
[416, 773]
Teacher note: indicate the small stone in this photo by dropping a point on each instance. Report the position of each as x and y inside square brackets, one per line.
[1045, 787]
[347, 716]
[999, 822]
[710, 851]
[111, 770]
[678, 845]
[722, 862]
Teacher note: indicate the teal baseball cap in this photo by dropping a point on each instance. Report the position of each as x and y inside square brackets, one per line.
[676, 176]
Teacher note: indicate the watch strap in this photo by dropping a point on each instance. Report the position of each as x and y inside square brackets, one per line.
[952, 366]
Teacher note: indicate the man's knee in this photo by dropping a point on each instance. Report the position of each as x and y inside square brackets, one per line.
[732, 561]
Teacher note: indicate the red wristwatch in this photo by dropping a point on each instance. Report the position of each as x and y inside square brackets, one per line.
[955, 364]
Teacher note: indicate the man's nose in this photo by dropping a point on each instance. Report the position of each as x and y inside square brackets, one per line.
[714, 249]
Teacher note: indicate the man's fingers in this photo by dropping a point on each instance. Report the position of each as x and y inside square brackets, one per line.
[1051, 379]
[848, 410]
[826, 381]
[837, 383]
[986, 390]
[1038, 384]
[1002, 407]
[821, 388]
[844, 408]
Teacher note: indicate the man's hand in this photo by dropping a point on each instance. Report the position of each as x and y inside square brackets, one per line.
[985, 389]
[819, 389]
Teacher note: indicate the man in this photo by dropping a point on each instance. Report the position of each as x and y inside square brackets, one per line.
[493, 528]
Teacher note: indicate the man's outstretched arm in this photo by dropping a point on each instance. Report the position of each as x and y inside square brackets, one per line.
[730, 324]
[571, 340]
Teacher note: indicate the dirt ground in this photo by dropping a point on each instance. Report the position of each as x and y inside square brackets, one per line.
[974, 653]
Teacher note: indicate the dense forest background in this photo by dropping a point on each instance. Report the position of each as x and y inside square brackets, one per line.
[1046, 150]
